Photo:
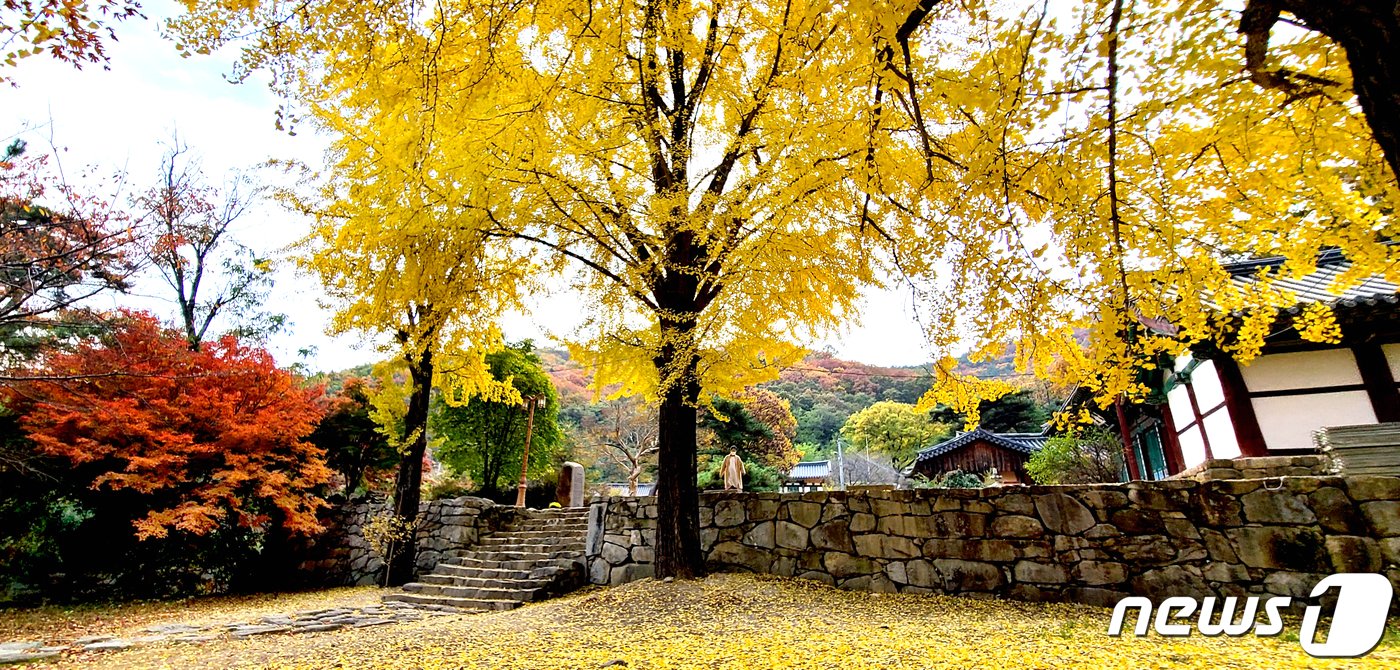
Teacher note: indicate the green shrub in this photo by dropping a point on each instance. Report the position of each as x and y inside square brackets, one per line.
[957, 479]
[447, 486]
[1094, 456]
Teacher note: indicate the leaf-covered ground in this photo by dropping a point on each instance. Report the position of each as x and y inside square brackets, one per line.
[736, 621]
[57, 624]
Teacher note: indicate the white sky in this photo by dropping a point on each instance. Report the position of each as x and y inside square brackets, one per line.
[122, 119]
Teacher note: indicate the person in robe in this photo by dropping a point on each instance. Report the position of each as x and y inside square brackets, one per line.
[732, 469]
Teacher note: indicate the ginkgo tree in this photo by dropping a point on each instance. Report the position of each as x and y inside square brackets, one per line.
[722, 180]
[396, 263]
[700, 165]
[1112, 157]
[1367, 32]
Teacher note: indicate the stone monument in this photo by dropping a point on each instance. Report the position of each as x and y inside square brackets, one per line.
[570, 485]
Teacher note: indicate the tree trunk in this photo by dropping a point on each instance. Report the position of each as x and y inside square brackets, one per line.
[354, 474]
[1369, 32]
[408, 484]
[677, 496]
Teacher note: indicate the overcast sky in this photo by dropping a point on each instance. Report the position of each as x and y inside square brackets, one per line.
[122, 119]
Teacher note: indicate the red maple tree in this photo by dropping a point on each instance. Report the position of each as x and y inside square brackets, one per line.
[208, 437]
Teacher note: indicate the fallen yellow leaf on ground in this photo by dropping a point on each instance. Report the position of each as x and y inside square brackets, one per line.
[737, 622]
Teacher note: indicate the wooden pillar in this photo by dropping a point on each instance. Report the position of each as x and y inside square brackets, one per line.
[1380, 383]
[1171, 442]
[1241, 408]
[1129, 454]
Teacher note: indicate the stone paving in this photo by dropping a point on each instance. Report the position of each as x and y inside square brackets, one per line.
[309, 621]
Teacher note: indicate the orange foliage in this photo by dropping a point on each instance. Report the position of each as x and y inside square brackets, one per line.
[209, 436]
[773, 411]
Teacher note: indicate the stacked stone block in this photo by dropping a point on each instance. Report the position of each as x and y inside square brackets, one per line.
[342, 556]
[621, 540]
[1260, 467]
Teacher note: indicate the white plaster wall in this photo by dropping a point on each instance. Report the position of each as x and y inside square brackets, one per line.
[1301, 369]
[1182, 361]
[1288, 422]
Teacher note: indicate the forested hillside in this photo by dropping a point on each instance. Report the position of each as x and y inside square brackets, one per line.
[824, 390]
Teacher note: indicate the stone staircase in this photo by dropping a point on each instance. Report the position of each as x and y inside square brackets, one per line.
[538, 555]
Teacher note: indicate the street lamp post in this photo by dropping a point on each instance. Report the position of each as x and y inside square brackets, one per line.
[525, 460]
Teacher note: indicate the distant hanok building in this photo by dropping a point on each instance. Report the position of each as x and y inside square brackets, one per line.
[980, 451]
[807, 476]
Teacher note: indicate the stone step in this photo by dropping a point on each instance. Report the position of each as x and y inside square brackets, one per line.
[580, 525]
[528, 594]
[475, 562]
[514, 556]
[531, 547]
[535, 535]
[546, 540]
[545, 519]
[448, 601]
[446, 579]
[534, 572]
[536, 556]
[450, 570]
[514, 552]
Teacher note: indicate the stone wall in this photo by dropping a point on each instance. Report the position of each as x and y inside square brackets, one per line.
[1088, 544]
[342, 556]
[1259, 467]
[621, 539]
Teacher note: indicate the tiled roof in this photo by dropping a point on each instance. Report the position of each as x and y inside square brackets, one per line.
[1026, 443]
[1318, 285]
[811, 470]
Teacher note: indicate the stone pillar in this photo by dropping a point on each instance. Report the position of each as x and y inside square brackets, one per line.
[571, 485]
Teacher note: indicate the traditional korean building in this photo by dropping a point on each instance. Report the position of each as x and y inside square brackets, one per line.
[1272, 406]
